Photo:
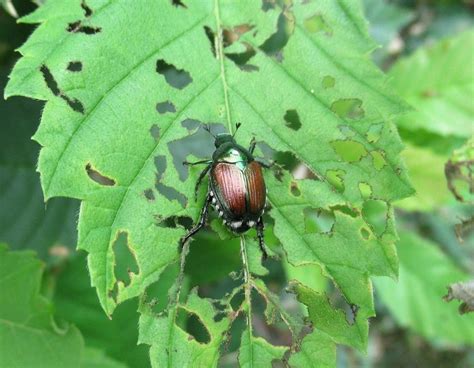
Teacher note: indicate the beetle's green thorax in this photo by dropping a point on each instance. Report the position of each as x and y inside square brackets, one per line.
[227, 150]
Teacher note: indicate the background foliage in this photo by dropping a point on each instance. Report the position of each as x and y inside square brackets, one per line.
[420, 41]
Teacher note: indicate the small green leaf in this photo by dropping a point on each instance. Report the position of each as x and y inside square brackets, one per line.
[28, 334]
[416, 301]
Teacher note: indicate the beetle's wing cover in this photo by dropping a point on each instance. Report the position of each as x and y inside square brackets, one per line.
[256, 188]
[230, 187]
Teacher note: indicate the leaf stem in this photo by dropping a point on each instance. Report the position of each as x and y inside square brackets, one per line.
[219, 45]
[248, 286]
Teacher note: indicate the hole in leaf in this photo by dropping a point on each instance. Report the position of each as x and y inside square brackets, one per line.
[378, 159]
[292, 119]
[185, 222]
[375, 213]
[242, 59]
[365, 233]
[125, 261]
[374, 132]
[73, 103]
[113, 293]
[328, 82]
[294, 189]
[211, 36]
[176, 78]
[346, 210]
[86, 8]
[191, 124]
[169, 192]
[156, 294]
[74, 66]
[316, 23]
[267, 323]
[77, 27]
[155, 132]
[365, 190]
[339, 301]
[165, 106]
[237, 300]
[193, 325]
[318, 220]
[200, 144]
[350, 108]
[179, 3]
[349, 151]
[267, 5]
[275, 44]
[347, 131]
[149, 194]
[336, 179]
[98, 177]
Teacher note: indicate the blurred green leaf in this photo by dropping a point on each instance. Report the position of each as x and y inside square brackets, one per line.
[94, 358]
[438, 81]
[29, 336]
[416, 301]
[25, 220]
[76, 301]
[386, 20]
[426, 170]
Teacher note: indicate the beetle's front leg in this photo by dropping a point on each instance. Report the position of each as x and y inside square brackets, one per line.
[187, 163]
[261, 242]
[198, 182]
[253, 143]
[201, 221]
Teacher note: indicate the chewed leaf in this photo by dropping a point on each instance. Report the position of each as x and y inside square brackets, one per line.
[128, 85]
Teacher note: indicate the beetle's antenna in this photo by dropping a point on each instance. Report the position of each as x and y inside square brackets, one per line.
[237, 126]
[207, 128]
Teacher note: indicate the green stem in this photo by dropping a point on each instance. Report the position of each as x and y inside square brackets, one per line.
[219, 46]
[247, 286]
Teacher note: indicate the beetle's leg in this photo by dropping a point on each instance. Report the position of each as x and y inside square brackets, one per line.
[187, 163]
[253, 143]
[261, 242]
[201, 221]
[198, 182]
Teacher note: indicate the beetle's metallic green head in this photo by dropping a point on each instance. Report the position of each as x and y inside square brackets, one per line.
[223, 138]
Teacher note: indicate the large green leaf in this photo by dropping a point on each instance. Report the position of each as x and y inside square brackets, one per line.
[127, 82]
[416, 300]
[438, 81]
[28, 335]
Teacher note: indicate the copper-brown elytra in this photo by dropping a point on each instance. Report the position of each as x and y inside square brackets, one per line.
[236, 187]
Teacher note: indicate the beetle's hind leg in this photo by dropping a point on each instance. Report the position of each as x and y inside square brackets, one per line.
[201, 222]
[261, 241]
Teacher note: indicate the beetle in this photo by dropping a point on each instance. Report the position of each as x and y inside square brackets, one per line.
[236, 187]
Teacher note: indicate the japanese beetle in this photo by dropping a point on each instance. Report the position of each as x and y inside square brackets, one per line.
[236, 187]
